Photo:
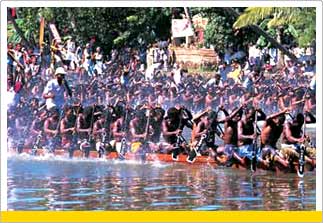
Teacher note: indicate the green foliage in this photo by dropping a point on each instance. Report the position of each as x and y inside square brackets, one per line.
[219, 31]
[112, 27]
[297, 22]
[13, 37]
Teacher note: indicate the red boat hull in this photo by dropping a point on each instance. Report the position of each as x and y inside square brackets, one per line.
[128, 156]
[200, 160]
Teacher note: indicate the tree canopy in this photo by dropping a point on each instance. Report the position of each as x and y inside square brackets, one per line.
[117, 27]
[220, 32]
[299, 22]
[112, 27]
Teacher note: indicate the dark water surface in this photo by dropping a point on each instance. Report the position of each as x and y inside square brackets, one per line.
[36, 183]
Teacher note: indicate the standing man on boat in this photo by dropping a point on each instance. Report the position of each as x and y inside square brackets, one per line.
[55, 89]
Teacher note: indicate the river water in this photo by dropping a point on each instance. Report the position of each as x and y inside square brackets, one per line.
[40, 183]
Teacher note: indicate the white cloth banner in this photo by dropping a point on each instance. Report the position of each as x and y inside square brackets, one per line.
[181, 28]
[55, 33]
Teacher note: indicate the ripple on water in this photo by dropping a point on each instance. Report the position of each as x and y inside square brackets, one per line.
[175, 197]
[30, 190]
[182, 189]
[26, 200]
[194, 196]
[155, 188]
[136, 186]
[208, 208]
[33, 208]
[86, 194]
[165, 204]
[240, 199]
[294, 198]
[38, 208]
[116, 205]
[81, 189]
[67, 202]
[64, 182]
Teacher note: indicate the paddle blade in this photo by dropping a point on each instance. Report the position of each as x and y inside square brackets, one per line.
[300, 171]
[191, 157]
[300, 174]
[253, 165]
[175, 154]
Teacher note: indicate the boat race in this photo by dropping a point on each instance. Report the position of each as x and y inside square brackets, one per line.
[161, 108]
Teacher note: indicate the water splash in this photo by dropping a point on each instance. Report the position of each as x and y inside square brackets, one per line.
[49, 157]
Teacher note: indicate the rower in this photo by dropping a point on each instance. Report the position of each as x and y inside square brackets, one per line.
[101, 132]
[230, 137]
[99, 126]
[203, 136]
[293, 137]
[187, 97]
[198, 100]
[37, 127]
[84, 128]
[139, 133]
[270, 134]
[67, 128]
[51, 130]
[247, 134]
[119, 130]
[211, 98]
[157, 116]
[171, 131]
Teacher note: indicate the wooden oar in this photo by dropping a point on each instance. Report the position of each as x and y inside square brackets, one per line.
[90, 139]
[176, 150]
[124, 145]
[74, 134]
[301, 161]
[253, 165]
[145, 144]
[36, 144]
[196, 150]
[123, 148]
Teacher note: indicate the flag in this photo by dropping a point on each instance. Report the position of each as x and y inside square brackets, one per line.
[55, 33]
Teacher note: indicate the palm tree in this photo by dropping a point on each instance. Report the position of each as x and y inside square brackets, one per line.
[278, 17]
[300, 18]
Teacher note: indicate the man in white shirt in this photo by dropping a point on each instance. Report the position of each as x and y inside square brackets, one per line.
[177, 74]
[54, 90]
